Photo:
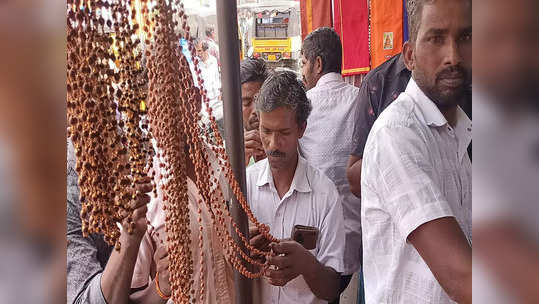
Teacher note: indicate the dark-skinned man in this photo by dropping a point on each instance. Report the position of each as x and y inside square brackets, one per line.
[326, 143]
[253, 72]
[416, 173]
[285, 191]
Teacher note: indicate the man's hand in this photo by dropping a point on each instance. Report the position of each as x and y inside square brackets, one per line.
[116, 278]
[257, 240]
[291, 259]
[253, 145]
[161, 260]
[140, 208]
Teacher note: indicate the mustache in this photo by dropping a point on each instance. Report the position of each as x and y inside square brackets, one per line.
[275, 153]
[452, 72]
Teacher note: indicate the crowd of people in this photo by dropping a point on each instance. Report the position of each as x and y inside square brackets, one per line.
[375, 180]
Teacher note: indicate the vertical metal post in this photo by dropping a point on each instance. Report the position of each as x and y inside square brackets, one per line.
[227, 24]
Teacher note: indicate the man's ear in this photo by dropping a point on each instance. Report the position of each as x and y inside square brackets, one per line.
[408, 55]
[318, 65]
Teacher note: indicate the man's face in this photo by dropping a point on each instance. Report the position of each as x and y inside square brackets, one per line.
[308, 73]
[441, 58]
[280, 133]
[248, 93]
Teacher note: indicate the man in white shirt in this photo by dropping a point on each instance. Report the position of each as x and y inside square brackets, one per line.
[209, 70]
[285, 191]
[326, 142]
[416, 173]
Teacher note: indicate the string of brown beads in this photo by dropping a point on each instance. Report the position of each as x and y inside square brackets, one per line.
[113, 111]
[110, 153]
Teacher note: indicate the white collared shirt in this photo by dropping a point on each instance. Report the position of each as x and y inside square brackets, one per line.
[326, 145]
[209, 71]
[312, 200]
[415, 169]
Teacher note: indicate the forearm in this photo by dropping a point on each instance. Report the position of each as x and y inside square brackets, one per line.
[116, 278]
[353, 174]
[323, 281]
[148, 295]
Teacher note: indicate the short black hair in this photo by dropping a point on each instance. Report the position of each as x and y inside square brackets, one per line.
[414, 8]
[282, 89]
[326, 43]
[252, 69]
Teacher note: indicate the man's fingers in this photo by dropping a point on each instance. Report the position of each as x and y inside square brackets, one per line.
[141, 200]
[140, 212]
[283, 247]
[145, 180]
[280, 261]
[280, 277]
[253, 145]
[259, 242]
[144, 187]
[253, 230]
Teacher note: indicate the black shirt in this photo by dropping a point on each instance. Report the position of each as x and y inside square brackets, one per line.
[379, 89]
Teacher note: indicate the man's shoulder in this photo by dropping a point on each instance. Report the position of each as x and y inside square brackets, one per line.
[318, 180]
[345, 92]
[398, 114]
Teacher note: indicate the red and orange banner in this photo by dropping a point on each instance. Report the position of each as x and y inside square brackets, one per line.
[314, 14]
[351, 19]
[386, 30]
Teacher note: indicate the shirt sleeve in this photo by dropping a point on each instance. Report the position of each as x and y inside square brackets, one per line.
[365, 118]
[83, 267]
[331, 241]
[399, 171]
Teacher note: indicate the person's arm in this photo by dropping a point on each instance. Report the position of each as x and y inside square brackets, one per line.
[116, 278]
[453, 268]
[323, 281]
[87, 281]
[353, 174]
[364, 121]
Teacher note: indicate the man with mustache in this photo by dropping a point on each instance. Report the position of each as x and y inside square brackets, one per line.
[253, 72]
[283, 191]
[416, 173]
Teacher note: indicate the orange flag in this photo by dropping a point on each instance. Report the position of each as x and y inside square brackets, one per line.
[386, 30]
[314, 14]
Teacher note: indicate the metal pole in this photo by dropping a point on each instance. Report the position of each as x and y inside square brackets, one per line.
[227, 24]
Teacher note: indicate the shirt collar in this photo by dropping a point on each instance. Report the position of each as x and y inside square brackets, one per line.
[431, 113]
[434, 117]
[300, 182]
[463, 131]
[329, 77]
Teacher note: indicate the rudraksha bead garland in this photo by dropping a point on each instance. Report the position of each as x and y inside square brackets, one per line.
[111, 135]
[104, 145]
